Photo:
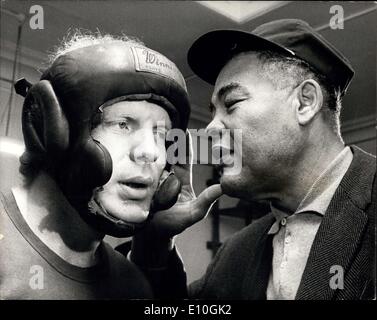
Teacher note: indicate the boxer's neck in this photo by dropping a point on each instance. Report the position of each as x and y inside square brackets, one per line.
[56, 222]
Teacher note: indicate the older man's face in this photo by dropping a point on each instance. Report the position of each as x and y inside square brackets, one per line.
[243, 99]
[134, 134]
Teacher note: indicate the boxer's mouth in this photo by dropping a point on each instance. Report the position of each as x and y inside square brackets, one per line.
[136, 188]
[138, 182]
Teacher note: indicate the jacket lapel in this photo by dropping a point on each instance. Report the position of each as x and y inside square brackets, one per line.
[334, 245]
[342, 227]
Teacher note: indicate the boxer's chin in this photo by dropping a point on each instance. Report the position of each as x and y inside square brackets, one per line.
[129, 211]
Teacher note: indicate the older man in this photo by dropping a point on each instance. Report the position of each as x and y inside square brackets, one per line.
[282, 85]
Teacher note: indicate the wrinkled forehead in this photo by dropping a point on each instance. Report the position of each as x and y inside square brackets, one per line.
[238, 70]
[242, 64]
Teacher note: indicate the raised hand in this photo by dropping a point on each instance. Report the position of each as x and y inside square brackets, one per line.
[189, 209]
[152, 243]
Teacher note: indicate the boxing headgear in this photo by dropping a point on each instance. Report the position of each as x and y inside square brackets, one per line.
[58, 112]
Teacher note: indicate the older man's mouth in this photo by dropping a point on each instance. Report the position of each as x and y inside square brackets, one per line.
[222, 156]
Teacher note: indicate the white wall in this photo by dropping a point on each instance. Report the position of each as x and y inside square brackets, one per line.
[29, 62]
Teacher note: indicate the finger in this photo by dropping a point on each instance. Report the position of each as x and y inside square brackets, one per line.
[184, 170]
[164, 175]
[189, 147]
[207, 197]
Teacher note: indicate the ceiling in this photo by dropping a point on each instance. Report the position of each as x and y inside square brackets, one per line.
[171, 26]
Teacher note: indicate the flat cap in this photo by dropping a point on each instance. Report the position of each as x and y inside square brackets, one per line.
[292, 37]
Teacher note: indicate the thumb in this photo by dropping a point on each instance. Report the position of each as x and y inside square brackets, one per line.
[205, 200]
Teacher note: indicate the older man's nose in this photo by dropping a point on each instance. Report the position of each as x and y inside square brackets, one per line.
[215, 129]
[215, 126]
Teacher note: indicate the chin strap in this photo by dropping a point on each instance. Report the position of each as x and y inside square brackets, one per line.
[96, 208]
[109, 224]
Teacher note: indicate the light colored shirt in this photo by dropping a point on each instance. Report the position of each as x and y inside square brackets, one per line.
[294, 234]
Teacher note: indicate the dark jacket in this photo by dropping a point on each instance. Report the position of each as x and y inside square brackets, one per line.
[346, 237]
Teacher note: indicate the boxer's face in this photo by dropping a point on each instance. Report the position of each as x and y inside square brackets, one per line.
[134, 134]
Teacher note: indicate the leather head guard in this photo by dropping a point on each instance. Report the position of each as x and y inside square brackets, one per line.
[58, 112]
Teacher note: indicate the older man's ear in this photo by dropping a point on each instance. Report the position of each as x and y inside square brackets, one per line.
[310, 101]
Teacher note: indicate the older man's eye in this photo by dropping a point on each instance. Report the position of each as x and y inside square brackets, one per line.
[231, 104]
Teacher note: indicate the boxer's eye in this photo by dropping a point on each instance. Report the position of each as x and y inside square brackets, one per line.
[160, 133]
[123, 125]
[120, 125]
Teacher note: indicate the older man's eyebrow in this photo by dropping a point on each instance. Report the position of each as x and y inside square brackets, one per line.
[228, 88]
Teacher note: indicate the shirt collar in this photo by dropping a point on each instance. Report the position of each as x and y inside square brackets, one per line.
[279, 216]
[318, 198]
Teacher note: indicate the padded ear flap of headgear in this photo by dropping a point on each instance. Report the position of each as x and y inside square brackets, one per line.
[166, 194]
[44, 125]
[89, 166]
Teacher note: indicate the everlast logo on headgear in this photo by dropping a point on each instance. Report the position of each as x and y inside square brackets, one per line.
[147, 60]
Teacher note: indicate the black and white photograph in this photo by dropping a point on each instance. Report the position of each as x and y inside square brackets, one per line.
[187, 155]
